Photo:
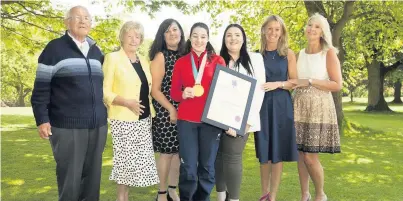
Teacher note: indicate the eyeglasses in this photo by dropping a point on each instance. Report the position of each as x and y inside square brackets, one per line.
[81, 18]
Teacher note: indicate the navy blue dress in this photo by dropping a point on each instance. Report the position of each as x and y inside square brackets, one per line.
[276, 141]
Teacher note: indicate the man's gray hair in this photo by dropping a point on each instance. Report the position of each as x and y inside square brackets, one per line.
[68, 13]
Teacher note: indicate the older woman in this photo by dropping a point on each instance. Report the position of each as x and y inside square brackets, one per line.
[315, 116]
[127, 86]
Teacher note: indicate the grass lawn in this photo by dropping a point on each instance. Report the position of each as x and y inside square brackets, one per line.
[370, 166]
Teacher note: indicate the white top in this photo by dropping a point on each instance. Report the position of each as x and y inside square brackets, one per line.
[312, 66]
[83, 46]
[259, 73]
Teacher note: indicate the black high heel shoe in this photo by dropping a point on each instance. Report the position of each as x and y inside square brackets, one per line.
[162, 192]
[169, 198]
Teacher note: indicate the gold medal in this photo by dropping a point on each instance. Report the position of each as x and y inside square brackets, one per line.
[198, 90]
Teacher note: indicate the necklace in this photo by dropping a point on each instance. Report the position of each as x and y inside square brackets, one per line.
[136, 60]
[233, 65]
[275, 52]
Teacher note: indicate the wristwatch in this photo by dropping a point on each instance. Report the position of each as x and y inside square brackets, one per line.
[310, 82]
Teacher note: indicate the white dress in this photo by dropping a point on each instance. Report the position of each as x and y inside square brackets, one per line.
[314, 111]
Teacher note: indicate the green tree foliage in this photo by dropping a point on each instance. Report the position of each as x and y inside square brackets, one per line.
[358, 28]
[17, 70]
[379, 39]
[251, 15]
[25, 29]
[149, 6]
[30, 25]
[106, 34]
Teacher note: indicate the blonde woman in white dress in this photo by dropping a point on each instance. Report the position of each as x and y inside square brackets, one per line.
[319, 74]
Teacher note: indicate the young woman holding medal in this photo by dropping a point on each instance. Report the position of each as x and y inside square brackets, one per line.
[275, 142]
[198, 142]
[228, 166]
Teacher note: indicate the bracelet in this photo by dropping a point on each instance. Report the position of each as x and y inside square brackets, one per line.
[282, 85]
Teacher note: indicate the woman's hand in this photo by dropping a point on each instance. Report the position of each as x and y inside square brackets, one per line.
[173, 116]
[247, 128]
[299, 83]
[134, 106]
[231, 132]
[269, 86]
[188, 93]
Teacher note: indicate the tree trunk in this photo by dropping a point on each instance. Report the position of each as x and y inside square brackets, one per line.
[20, 101]
[337, 97]
[376, 75]
[398, 92]
[351, 96]
[21, 94]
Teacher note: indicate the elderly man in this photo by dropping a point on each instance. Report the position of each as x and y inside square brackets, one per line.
[67, 101]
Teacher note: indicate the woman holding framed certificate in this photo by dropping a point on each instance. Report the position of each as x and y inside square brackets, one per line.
[275, 142]
[229, 158]
[198, 142]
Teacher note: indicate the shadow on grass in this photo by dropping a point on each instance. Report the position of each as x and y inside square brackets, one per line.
[28, 167]
[369, 167]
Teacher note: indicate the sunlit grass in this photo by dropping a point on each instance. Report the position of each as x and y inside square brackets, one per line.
[370, 166]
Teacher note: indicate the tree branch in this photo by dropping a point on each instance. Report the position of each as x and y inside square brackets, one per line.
[23, 21]
[7, 2]
[38, 14]
[392, 67]
[26, 92]
[287, 7]
[315, 7]
[338, 27]
[9, 16]
[370, 14]
[38, 43]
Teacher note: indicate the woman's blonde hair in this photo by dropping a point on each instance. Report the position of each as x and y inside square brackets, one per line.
[131, 25]
[326, 38]
[282, 45]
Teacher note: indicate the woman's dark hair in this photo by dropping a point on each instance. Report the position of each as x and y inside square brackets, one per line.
[159, 43]
[244, 58]
[209, 47]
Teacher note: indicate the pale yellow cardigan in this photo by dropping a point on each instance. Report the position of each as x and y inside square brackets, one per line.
[120, 78]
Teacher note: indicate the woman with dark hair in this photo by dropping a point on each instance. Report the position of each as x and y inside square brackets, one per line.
[228, 165]
[198, 141]
[169, 43]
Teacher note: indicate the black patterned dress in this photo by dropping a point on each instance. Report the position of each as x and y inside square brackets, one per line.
[164, 133]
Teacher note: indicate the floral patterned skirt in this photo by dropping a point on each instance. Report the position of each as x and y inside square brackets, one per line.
[316, 121]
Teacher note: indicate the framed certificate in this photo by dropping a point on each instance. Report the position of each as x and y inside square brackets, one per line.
[229, 100]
